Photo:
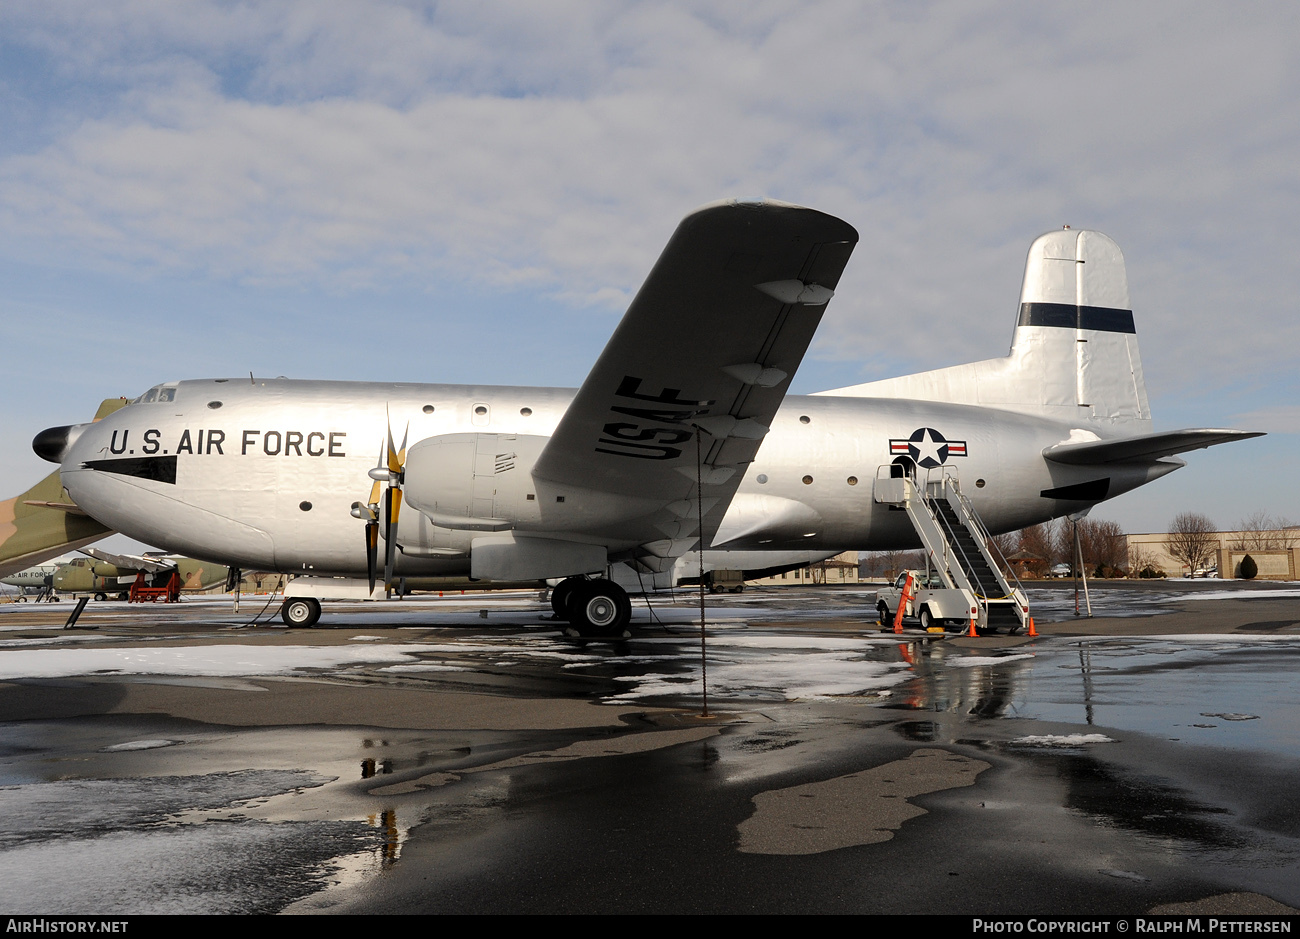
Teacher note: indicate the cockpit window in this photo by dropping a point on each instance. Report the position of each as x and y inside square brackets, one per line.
[165, 392]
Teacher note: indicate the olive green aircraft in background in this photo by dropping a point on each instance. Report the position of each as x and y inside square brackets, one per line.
[44, 522]
[102, 574]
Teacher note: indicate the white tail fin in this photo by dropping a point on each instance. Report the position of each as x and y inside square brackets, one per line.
[1074, 356]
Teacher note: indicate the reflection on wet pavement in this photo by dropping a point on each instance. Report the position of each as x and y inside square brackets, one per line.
[817, 740]
[1147, 805]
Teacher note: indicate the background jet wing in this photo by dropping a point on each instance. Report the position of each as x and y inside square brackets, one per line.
[1144, 448]
[130, 562]
[43, 523]
[711, 340]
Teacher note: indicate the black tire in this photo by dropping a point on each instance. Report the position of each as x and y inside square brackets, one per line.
[882, 610]
[101, 597]
[599, 608]
[300, 612]
[561, 596]
[926, 618]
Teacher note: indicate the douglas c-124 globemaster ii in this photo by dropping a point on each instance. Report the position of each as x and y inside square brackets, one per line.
[682, 430]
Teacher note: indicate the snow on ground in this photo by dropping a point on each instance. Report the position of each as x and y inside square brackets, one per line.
[218, 661]
[1229, 594]
[970, 661]
[1060, 740]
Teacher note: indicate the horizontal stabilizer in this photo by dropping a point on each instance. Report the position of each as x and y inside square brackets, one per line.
[1144, 448]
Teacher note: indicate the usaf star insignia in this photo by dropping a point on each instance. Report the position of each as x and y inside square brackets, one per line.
[927, 447]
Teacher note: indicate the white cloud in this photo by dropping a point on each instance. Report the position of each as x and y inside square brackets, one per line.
[552, 148]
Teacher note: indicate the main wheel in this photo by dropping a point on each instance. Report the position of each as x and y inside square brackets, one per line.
[300, 612]
[101, 597]
[561, 595]
[599, 608]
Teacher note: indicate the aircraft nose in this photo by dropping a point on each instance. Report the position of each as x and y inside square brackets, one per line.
[53, 443]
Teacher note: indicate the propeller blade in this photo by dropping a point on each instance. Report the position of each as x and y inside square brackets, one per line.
[394, 465]
[375, 488]
[372, 551]
[392, 509]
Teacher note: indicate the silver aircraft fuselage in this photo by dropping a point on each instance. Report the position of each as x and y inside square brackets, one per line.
[264, 475]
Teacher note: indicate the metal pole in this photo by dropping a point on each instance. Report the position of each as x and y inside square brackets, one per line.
[1074, 565]
[1083, 571]
[699, 533]
[72, 619]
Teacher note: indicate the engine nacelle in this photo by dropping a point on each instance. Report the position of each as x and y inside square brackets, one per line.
[474, 482]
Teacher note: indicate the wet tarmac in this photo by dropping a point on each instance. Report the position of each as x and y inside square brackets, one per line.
[460, 755]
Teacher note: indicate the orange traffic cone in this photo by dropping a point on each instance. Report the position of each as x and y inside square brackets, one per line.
[972, 632]
[1032, 630]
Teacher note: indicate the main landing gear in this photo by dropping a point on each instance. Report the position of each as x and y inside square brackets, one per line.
[594, 608]
[300, 611]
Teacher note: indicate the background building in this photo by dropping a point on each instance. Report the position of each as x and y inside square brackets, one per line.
[1274, 551]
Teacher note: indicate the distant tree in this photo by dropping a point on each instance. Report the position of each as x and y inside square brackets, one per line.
[1192, 540]
[886, 564]
[1105, 549]
[1040, 542]
[1248, 568]
[1142, 564]
[1007, 542]
[1263, 532]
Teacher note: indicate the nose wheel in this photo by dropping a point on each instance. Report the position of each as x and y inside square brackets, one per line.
[300, 612]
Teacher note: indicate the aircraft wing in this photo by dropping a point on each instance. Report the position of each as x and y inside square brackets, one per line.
[42, 523]
[710, 342]
[130, 562]
[1144, 448]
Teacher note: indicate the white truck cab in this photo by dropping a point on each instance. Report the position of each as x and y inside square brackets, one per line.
[927, 600]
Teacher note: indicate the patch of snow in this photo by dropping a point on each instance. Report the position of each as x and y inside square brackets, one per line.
[1060, 740]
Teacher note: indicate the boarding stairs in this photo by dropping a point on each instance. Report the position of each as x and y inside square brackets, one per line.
[957, 545]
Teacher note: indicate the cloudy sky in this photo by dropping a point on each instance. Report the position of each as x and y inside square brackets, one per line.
[472, 191]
